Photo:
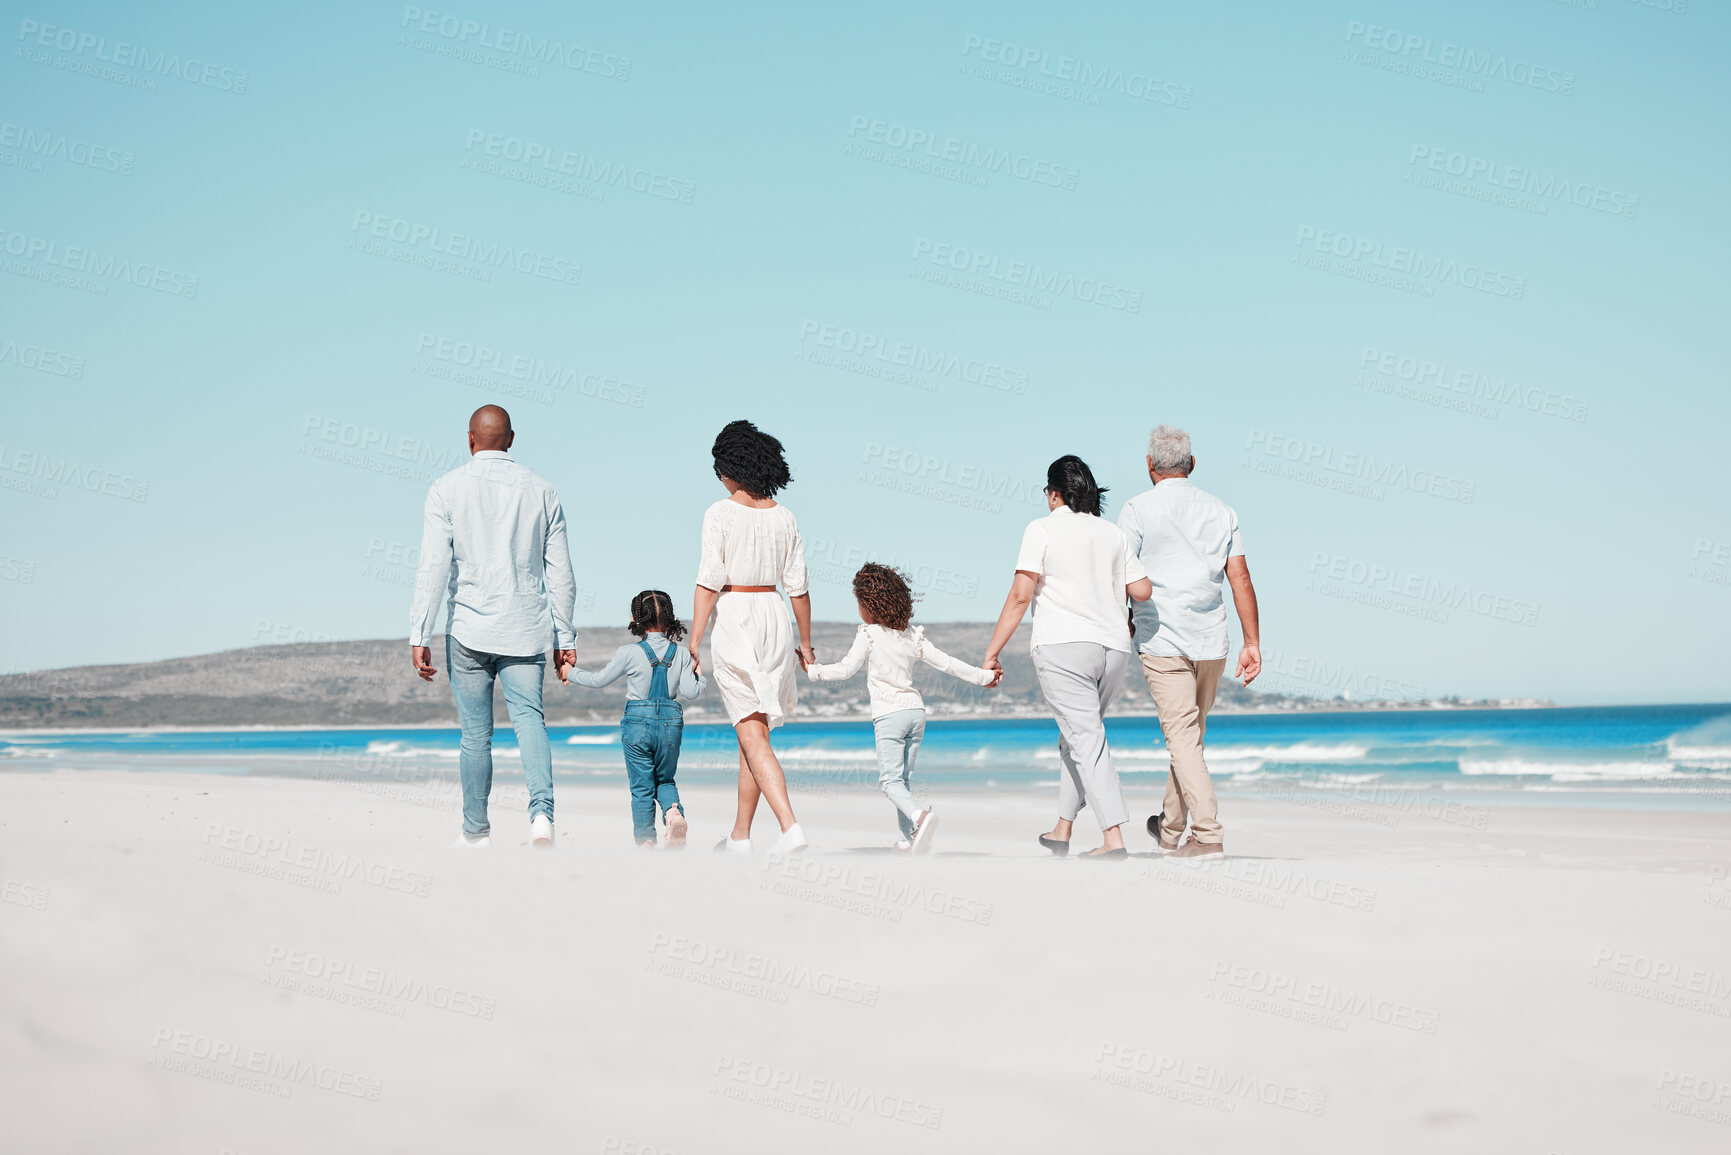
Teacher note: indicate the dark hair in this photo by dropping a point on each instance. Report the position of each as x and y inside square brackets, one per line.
[746, 454]
[653, 610]
[884, 595]
[1070, 478]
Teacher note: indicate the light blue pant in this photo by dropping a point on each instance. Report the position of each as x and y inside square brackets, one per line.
[898, 738]
[472, 677]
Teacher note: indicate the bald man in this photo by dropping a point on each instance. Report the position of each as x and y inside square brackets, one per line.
[493, 542]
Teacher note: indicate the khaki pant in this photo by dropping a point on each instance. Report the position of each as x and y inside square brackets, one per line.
[1183, 694]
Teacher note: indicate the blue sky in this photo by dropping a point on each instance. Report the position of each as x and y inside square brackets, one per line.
[1435, 288]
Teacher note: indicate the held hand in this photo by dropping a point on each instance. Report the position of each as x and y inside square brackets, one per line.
[807, 658]
[421, 657]
[696, 663]
[565, 661]
[996, 667]
[1249, 663]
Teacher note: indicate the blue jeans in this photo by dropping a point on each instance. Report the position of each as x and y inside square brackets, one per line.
[898, 740]
[472, 677]
[651, 732]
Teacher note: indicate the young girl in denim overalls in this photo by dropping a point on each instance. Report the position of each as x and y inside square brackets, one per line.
[657, 674]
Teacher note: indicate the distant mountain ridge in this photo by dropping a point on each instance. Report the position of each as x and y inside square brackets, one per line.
[370, 683]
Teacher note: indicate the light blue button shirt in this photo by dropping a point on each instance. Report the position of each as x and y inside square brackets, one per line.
[493, 542]
[1183, 536]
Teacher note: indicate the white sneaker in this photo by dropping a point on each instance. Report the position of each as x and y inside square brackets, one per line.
[903, 846]
[728, 846]
[792, 841]
[541, 832]
[464, 842]
[923, 832]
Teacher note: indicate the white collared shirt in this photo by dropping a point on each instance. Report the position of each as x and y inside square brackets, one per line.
[889, 657]
[493, 542]
[1183, 535]
[1083, 564]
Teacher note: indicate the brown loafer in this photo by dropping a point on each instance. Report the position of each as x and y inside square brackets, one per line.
[1195, 849]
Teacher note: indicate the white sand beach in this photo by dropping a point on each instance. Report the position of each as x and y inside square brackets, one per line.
[209, 963]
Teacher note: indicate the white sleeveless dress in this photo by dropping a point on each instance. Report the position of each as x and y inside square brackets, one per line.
[752, 647]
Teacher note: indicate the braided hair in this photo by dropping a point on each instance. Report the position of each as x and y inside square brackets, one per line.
[653, 610]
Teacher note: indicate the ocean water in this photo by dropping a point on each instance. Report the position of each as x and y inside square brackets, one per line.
[1629, 755]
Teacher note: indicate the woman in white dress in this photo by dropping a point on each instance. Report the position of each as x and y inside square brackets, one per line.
[750, 544]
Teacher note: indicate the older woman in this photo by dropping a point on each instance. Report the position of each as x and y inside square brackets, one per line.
[1076, 569]
[750, 545]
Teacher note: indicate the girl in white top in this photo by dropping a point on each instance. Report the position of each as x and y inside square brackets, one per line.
[888, 648]
[1076, 570]
[749, 545]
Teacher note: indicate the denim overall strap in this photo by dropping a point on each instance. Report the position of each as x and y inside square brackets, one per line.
[658, 671]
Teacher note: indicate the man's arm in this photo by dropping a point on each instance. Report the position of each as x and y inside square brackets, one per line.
[430, 581]
[561, 590]
[1244, 597]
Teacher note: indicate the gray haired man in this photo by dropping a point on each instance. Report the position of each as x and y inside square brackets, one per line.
[1189, 543]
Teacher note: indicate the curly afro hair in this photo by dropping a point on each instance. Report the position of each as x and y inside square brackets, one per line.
[746, 454]
[884, 595]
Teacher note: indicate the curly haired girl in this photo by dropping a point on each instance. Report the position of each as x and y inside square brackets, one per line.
[891, 646]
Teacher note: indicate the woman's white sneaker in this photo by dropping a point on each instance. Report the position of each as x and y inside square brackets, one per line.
[541, 832]
[792, 841]
[928, 826]
[464, 842]
[729, 846]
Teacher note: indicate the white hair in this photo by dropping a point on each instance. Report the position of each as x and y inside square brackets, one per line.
[1170, 450]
